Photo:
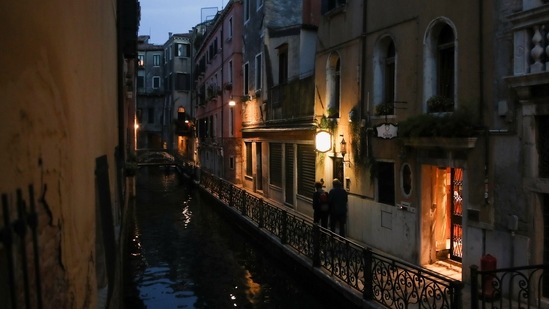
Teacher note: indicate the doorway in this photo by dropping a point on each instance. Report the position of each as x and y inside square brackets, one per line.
[442, 209]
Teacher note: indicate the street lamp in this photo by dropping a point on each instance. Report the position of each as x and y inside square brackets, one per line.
[232, 102]
[323, 141]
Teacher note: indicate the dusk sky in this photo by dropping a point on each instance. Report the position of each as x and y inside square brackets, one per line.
[159, 17]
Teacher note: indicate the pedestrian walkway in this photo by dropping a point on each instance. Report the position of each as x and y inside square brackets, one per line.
[446, 268]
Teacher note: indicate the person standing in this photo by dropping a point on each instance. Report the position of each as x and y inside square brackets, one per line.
[321, 205]
[338, 206]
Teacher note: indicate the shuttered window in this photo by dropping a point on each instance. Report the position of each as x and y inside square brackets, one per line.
[249, 169]
[275, 164]
[305, 170]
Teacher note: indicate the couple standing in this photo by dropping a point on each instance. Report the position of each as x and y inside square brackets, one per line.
[332, 205]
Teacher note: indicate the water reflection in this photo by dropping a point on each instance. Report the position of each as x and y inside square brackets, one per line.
[184, 255]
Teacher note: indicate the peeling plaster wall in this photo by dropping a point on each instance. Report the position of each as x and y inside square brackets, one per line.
[59, 107]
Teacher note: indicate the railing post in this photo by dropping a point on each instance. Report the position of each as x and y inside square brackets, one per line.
[316, 245]
[457, 294]
[231, 196]
[261, 222]
[243, 206]
[368, 293]
[284, 227]
[474, 287]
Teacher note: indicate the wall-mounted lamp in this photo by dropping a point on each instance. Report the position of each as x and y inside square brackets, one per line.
[343, 146]
[232, 102]
[323, 141]
[343, 149]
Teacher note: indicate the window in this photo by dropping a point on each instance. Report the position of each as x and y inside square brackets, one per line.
[258, 72]
[211, 128]
[259, 4]
[445, 62]
[230, 35]
[246, 79]
[333, 85]
[182, 82]
[439, 80]
[386, 183]
[231, 122]
[230, 77]
[156, 60]
[156, 82]
[283, 64]
[246, 10]
[389, 71]
[183, 50]
[151, 115]
[275, 164]
[406, 179]
[249, 167]
[140, 61]
[231, 163]
[384, 77]
[306, 169]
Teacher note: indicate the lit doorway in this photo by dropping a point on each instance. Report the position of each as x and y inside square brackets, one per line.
[442, 206]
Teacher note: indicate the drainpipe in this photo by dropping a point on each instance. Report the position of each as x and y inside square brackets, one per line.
[481, 112]
[364, 98]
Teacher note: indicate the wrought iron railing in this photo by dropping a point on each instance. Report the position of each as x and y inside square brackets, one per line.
[379, 278]
[22, 266]
[517, 287]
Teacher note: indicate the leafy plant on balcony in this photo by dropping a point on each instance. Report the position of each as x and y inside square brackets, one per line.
[245, 98]
[385, 109]
[359, 144]
[328, 124]
[452, 125]
[212, 92]
[439, 104]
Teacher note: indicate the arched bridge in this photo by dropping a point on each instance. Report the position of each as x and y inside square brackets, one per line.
[155, 157]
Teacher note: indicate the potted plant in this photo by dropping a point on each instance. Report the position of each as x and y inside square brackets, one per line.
[439, 104]
[455, 130]
[385, 109]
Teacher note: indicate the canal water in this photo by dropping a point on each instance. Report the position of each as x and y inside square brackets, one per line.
[184, 254]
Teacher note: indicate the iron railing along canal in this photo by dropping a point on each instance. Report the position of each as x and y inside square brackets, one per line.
[517, 287]
[376, 277]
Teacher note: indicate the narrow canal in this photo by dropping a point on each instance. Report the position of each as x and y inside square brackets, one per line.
[183, 254]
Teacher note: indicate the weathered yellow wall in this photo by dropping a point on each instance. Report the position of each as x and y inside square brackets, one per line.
[58, 99]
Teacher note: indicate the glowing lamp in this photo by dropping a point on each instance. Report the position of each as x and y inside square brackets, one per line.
[323, 141]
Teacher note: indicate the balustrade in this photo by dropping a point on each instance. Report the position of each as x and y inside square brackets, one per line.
[392, 283]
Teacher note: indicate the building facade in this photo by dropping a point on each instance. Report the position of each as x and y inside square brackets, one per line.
[437, 126]
[219, 85]
[278, 100]
[151, 95]
[521, 196]
[67, 118]
[178, 110]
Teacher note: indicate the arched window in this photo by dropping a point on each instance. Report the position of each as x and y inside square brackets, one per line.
[440, 67]
[333, 85]
[384, 77]
[445, 62]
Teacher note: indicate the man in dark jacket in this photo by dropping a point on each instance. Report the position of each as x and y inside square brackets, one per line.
[338, 206]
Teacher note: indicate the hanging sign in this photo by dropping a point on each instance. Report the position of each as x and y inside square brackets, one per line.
[387, 130]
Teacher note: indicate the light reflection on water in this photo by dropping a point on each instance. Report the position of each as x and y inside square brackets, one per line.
[184, 255]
